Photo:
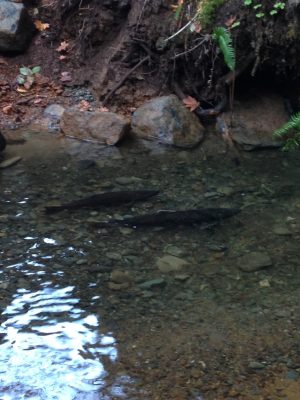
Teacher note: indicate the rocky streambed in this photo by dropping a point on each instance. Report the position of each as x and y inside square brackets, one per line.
[152, 313]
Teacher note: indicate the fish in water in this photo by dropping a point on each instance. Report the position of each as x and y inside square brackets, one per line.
[104, 200]
[169, 218]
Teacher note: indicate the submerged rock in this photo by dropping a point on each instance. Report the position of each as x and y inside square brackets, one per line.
[103, 127]
[166, 120]
[170, 263]
[254, 261]
[16, 27]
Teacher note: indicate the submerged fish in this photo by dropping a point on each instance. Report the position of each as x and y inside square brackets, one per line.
[167, 218]
[104, 199]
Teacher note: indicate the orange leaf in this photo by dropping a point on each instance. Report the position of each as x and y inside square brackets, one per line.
[191, 103]
[41, 26]
[8, 109]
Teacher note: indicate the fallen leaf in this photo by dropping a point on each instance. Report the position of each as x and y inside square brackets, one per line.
[191, 103]
[62, 58]
[66, 77]
[84, 105]
[8, 109]
[41, 26]
[63, 46]
[21, 90]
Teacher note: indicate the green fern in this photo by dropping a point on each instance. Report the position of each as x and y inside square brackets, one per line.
[223, 37]
[293, 123]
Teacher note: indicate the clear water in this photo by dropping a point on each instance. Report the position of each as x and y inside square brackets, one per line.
[69, 331]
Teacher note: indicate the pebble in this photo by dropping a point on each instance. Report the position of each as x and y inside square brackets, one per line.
[82, 261]
[114, 256]
[3, 285]
[153, 283]
[119, 276]
[173, 250]
[169, 263]
[256, 365]
[254, 261]
[182, 277]
[118, 286]
[282, 230]
[127, 180]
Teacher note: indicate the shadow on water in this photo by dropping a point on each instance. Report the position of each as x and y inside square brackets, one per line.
[148, 314]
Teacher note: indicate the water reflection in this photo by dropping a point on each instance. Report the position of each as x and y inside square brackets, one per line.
[51, 348]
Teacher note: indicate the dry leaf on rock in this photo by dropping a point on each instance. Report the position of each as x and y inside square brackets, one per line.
[63, 46]
[41, 26]
[191, 103]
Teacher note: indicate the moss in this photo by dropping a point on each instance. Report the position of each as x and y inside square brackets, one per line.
[207, 12]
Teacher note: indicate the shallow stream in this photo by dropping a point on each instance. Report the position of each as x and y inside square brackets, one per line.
[149, 313]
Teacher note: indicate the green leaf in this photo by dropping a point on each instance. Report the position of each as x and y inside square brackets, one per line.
[260, 15]
[20, 79]
[178, 12]
[235, 24]
[247, 2]
[223, 37]
[273, 12]
[36, 70]
[25, 71]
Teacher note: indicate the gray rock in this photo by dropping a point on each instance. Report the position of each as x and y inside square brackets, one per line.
[256, 119]
[103, 127]
[169, 263]
[16, 27]
[254, 261]
[119, 276]
[256, 365]
[54, 111]
[159, 282]
[166, 120]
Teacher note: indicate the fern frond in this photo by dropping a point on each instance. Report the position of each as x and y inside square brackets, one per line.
[223, 37]
[292, 143]
[293, 123]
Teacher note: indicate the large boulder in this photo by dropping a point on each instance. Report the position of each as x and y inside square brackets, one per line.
[16, 27]
[256, 118]
[166, 120]
[103, 127]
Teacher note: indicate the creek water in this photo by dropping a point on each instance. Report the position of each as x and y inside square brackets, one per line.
[148, 313]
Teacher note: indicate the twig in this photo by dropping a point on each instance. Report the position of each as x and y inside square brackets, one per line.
[119, 84]
[182, 29]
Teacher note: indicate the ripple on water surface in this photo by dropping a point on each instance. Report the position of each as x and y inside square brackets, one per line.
[44, 352]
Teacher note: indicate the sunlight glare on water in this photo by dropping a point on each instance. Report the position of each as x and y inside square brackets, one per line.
[43, 355]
